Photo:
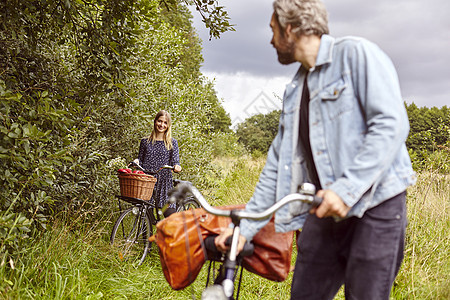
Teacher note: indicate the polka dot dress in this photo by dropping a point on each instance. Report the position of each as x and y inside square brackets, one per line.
[152, 156]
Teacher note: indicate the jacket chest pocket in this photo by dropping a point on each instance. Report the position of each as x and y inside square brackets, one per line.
[338, 98]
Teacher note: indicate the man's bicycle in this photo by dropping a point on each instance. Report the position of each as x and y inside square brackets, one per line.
[224, 283]
[136, 222]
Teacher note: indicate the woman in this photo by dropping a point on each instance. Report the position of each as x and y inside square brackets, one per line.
[157, 150]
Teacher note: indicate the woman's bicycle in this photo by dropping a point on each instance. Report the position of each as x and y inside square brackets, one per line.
[224, 283]
[136, 222]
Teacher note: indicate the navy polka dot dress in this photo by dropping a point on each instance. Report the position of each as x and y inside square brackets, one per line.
[152, 156]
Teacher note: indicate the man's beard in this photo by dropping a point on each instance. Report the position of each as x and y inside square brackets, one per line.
[286, 54]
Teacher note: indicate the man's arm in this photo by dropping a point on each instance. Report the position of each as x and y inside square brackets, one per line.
[377, 89]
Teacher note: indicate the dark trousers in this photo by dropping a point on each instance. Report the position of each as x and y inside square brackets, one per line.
[364, 254]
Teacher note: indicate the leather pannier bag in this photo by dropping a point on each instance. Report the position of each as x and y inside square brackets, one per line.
[182, 252]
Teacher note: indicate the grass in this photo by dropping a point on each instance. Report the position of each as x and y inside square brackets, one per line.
[425, 273]
[72, 263]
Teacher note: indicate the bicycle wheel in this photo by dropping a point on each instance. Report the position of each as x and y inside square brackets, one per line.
[130, 234]
[190, 203]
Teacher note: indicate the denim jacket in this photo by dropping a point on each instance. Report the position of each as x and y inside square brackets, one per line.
[358, 127]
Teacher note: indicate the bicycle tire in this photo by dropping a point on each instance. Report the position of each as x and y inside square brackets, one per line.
[190, 203]
[130, 234]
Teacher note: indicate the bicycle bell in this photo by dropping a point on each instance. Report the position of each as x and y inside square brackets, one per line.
[308, 188]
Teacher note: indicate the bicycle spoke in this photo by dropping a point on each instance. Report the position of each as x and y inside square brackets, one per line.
[131, 239]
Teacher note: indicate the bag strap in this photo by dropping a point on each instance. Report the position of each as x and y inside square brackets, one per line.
[200, 236]
[197, 226]
[186, 236]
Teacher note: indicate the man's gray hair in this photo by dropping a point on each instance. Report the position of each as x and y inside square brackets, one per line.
[305, 16]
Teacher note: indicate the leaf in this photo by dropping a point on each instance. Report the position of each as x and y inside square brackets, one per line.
[13, 135]
[26, 146]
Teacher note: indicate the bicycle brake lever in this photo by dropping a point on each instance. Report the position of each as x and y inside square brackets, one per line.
[135, 163]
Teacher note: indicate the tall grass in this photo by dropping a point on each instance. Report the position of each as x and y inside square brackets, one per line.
[425, 273]
[239, 179]
[75, 261]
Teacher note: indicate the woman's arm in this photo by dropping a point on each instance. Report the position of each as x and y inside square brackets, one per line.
[175, 156]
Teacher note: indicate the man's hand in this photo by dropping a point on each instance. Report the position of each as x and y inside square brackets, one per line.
[219, 241]
[332, 205]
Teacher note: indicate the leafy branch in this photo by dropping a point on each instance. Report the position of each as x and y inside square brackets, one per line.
[214, 16]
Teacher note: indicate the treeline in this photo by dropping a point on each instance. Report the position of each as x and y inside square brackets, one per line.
[429, 137]
[428, 141]
[80, 84]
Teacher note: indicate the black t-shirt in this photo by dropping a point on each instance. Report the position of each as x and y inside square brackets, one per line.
[304, 135]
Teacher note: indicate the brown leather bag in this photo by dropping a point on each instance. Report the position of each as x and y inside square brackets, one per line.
[182, 253]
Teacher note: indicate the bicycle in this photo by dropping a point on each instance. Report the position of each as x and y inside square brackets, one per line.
[135, 224]
[224, 283]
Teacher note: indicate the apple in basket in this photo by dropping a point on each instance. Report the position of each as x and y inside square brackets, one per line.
[138, 172]
[124, 170]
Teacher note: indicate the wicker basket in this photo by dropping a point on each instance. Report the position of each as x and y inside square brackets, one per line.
[136, 185]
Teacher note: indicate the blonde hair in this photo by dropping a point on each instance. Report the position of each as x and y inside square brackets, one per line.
[167, 138]
[308, 17]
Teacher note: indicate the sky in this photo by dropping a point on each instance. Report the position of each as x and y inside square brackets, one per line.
[249, 80]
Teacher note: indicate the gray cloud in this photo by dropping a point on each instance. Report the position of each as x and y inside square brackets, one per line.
[414, 33]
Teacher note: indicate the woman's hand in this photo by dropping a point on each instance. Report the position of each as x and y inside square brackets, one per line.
[219, 241]
[177, 169]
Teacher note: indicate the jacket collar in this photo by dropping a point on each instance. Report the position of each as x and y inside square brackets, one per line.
[323, 57]
[325, 50]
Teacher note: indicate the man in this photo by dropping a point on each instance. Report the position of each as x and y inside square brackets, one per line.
[343, 127]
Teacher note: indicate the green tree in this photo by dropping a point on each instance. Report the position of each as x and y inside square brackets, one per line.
[214, 16]
[220, 120]
[429, 132]
[432, 120]
[80, 82]
[257, 132]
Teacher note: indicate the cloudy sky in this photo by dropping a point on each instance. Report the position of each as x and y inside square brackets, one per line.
[414, 33]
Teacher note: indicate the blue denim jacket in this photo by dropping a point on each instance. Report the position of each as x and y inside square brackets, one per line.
[358, 127]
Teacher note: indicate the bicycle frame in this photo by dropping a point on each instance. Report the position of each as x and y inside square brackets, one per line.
[146, 214]
[306, 195]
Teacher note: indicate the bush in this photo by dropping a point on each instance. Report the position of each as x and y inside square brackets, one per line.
[80, 84]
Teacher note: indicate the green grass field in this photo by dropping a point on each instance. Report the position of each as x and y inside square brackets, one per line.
[69, 263]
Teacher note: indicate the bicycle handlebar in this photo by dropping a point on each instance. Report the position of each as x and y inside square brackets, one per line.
[305, 195]
[136, 164]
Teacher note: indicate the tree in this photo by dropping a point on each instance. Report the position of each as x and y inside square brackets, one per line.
[80, 82]
[429, 133]
[213, 15]
[427, 127]
[257, 132]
